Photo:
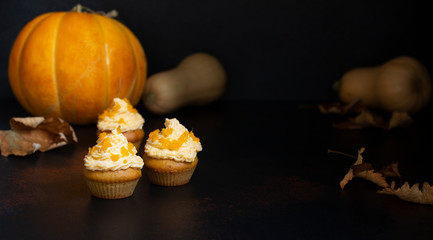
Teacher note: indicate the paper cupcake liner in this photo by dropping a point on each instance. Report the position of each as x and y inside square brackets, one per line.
[169, 178]
[112, 190]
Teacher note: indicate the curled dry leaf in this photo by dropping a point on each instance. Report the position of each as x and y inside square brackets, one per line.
[349, 175]
[356, 116]
[406, 192]
[31, 134]
[412, 194]
[363, 170]
[391, 170]
[367, 172]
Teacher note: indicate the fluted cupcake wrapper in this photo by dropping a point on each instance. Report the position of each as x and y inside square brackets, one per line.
[112, 190]
[169, 178]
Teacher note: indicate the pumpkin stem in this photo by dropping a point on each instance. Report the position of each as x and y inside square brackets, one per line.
[80, 8]
[336, 86]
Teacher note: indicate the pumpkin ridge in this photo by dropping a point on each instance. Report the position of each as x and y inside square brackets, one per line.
[107, 63]
[57, 66]
[131, 94]
[56, 85]
[20, 54]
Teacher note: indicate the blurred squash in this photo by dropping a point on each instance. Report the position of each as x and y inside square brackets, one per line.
[198, 79]
[401, 84]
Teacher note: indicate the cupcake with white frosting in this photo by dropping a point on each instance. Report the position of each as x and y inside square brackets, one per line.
[112, 167]
[171, 154]
[121, 114]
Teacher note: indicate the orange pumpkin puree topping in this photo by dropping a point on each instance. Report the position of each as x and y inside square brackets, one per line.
[114, 157]
[115, 107]
[170, 144]
[105, 144]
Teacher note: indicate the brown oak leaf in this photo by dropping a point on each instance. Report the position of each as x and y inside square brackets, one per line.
[412, 194]
[391, 170]
[31, 134]
[370, 174]
[357, 116]
[349, 175]
[363, 170]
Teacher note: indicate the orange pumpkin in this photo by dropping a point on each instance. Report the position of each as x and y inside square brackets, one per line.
[72, 64]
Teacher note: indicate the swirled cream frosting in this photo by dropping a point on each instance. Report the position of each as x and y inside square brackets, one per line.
[112, 152]
[121, 114]
[173, 142]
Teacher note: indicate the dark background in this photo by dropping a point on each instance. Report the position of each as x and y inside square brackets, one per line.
[272, 49]
[262, 176]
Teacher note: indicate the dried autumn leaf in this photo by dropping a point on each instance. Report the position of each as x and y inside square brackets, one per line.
[405, 192]
[339, 108]
[12, 143]
[399, 119]
[363, 170]
[412, 194]
[370, 174]
[356, 116]
[364, 119]
[31, 134]
[391, 170]
[349, 175]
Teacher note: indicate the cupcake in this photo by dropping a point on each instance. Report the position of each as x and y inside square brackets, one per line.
[170, 155]
[121, 114]
[112, 167]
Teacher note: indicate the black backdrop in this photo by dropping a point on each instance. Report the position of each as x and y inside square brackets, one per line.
[272, 49]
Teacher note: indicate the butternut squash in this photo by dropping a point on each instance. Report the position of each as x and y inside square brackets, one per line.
[199, 79]
[402, 84]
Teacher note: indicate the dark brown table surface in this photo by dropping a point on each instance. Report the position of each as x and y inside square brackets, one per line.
[264, 173]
